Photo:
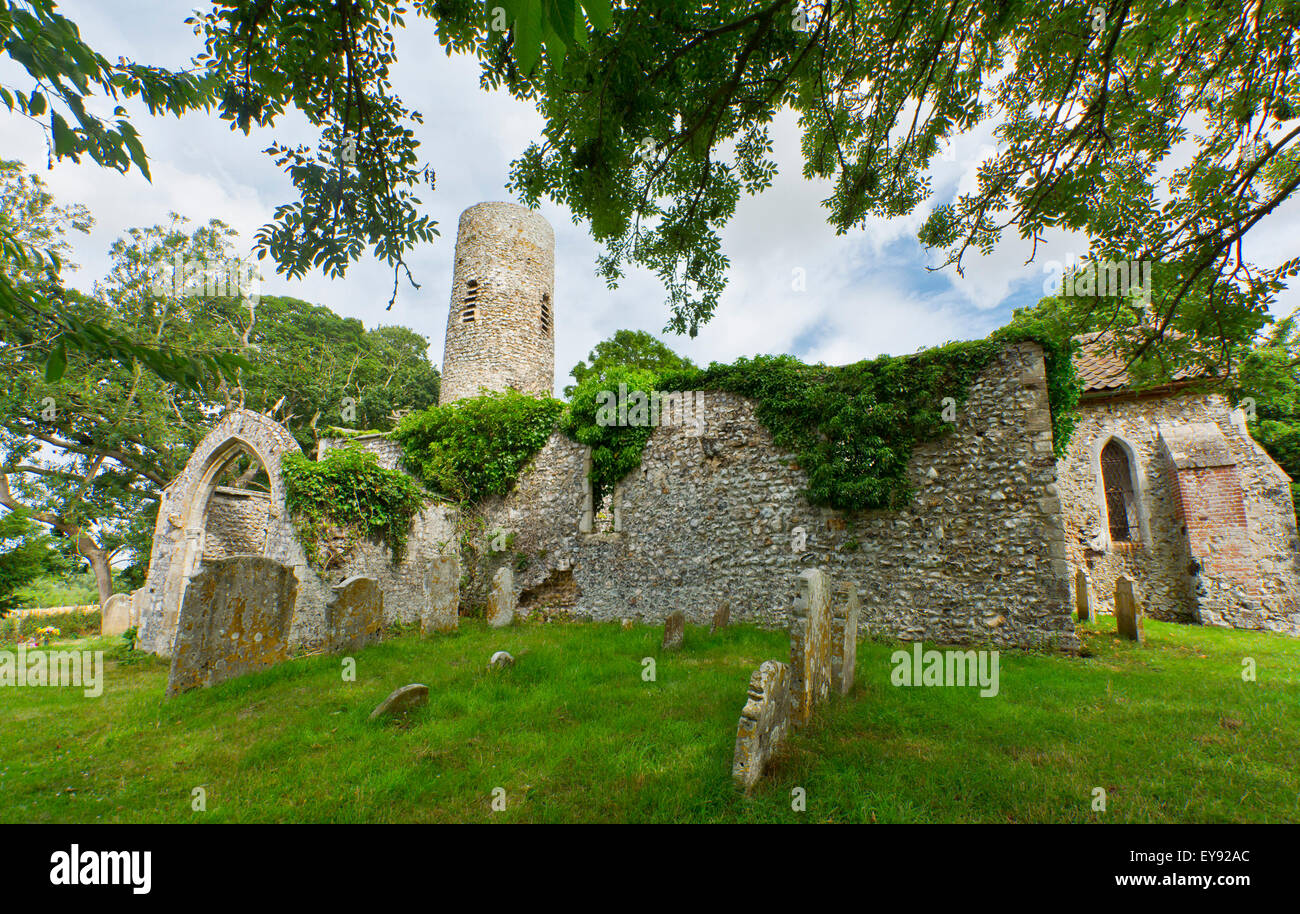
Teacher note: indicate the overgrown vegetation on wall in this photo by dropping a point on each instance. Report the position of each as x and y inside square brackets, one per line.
[470, 449]
[615, 449]
[853, 427]
[349, 491]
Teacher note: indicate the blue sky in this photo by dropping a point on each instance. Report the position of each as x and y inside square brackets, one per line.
[868, 292]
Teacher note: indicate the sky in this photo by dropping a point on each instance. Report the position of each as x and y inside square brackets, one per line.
[868, 292]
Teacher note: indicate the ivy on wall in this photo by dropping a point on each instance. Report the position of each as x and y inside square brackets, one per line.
[473, 448]
[349, 491]
[853, 427]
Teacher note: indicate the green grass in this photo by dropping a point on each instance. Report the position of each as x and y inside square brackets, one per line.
[572, 733]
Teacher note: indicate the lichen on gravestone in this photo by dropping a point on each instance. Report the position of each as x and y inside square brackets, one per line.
[1128, 613]
[811, 628]
[764, 723]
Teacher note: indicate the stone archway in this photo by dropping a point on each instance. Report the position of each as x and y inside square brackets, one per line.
[183, 514]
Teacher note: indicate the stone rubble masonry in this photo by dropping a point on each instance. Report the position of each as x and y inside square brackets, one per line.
[501, 598]
[844, 638]
[235, 620]
[116, 615]
[977, 556]
[498, 335]
[198, 522]
[811, 645]
[1128, 613]
[764, 722]
[1217, 543]
[355, 617]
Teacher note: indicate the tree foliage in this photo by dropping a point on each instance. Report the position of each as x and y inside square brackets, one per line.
[626, 349]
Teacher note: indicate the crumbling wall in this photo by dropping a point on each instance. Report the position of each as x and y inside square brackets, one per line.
[717, 513]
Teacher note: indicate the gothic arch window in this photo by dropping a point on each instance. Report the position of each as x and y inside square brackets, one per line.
[1120, 493]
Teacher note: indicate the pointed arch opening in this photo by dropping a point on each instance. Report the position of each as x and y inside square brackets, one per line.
[1120, 494]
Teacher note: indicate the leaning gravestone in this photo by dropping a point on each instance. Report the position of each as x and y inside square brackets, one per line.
[441, 610]
[844, 640]
[764, 722]
[116, 615]
[234, 619]
[400, 701]
[501, 598]
[810, 645]
[721, 618]
[355, 616]
[1082, 599]
[1128, 615]
[674, 631]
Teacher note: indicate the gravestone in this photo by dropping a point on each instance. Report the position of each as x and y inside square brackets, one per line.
[400, 701]
[1082, 596]
[844, 643]
[674, 631]
[116, 615]
[441, 609]
[355, 615]
[764, 722]
[234, 619]
[811, 629]
[627, 625]
[721, 618]
[1128, 614]
[500, 660]
[501, 598]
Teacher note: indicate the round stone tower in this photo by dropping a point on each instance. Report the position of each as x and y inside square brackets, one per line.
[501, 325]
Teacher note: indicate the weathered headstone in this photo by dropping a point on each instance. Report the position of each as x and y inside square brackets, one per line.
[1082, 596]
[674, 631]
[355, 615]
[401, 701]
[234, 619]
[115, 617]
[764, 722]
[627, 625]
[844, 639]
[500, 660]
[440, 612]
[501, 598]
[721, 618]
[810, 645]
[1128, 614]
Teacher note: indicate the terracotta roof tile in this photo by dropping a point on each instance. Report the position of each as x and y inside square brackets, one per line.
[1100, 368]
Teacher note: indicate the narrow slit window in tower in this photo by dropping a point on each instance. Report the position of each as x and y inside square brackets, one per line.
[546, 313]
[470, 302]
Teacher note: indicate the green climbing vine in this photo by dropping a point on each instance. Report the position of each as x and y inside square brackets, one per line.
[348, 490]
[853, 427]
[470, 449]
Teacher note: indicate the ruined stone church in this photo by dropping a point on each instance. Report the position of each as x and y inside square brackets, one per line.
[1164, 486]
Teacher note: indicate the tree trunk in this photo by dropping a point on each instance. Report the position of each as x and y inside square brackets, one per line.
[98, 559]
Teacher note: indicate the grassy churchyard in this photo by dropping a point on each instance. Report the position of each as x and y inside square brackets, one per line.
[573, 733]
